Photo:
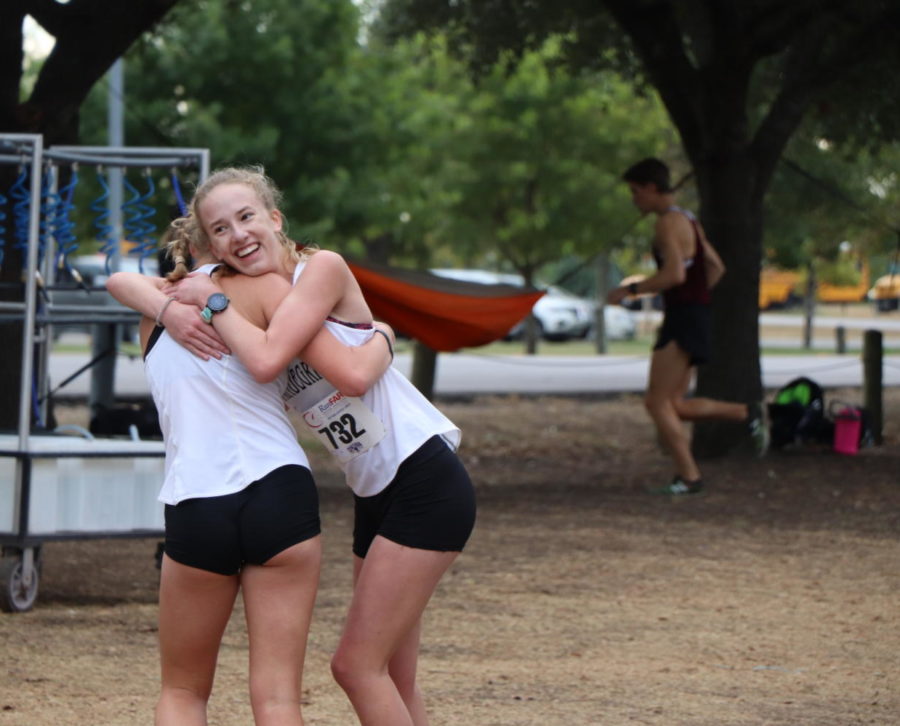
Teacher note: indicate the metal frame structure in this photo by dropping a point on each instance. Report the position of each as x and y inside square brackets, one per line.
[20, 561]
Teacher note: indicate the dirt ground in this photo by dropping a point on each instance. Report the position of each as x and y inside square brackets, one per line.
[581, 599]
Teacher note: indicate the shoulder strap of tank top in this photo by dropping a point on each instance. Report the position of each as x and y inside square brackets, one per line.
[686, 212]
[297, 270]
[209, 268]
[151, 341]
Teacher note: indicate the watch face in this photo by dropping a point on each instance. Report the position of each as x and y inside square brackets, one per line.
[217, 302]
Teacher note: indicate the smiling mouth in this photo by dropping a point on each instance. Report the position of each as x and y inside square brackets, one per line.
[245, 251]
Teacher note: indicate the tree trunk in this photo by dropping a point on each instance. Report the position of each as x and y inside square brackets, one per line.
[809, 305]
[731, 214]
[532, 334]
[424, 368]
[599, 317]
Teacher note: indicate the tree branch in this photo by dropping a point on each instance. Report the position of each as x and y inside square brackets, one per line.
[49, 14]
[772, 29]
[811, 68]
[656, 34]
[10, 63]
[96, 32]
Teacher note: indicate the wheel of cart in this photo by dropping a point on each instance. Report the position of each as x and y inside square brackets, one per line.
[20, 574]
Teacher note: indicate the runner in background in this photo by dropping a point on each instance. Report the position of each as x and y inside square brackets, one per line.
[688, 269]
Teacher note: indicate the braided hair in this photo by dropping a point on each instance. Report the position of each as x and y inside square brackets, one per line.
[179, 239]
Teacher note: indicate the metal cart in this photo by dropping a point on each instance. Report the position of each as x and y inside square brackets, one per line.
[54, 485]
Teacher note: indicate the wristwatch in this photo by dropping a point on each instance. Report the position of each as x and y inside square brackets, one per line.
[216, 303]
[632, 288]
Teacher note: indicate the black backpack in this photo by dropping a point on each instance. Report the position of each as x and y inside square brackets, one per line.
[797, 415]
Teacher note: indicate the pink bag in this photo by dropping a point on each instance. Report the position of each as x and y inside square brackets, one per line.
[847, 424]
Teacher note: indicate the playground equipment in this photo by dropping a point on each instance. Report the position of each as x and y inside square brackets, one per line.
[55, 485]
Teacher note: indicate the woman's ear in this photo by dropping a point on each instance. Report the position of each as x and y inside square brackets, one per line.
[277, 219]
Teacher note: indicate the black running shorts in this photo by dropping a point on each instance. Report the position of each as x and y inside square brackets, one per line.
[429, 505]
[221, 534]
[690, 327]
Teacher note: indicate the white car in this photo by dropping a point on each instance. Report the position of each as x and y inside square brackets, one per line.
[619, 323]
[560, 314]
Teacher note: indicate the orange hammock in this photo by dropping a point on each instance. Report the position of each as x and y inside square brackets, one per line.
[440, 312]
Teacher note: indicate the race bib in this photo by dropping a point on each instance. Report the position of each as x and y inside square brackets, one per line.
[345, 425]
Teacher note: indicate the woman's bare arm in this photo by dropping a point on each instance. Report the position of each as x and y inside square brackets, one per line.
[351, 369]
[296, 321]
[144, 294]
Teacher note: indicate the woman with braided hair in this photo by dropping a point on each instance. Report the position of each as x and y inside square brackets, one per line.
[414, 502]
[241, 508]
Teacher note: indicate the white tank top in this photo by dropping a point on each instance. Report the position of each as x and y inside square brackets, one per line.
[409, 419]
[222, 430]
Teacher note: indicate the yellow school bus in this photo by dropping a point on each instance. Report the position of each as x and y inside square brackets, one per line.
[828, 293]
[776, 287]
[885, 293]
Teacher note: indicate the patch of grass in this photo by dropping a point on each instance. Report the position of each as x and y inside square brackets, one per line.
[639, 346]
[130, 349]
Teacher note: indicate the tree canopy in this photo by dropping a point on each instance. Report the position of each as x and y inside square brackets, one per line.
[536, 160]
[392, 153]
[737, 80]
[89, 35]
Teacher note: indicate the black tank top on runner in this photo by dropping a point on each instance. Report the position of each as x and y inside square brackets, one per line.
[695, 289]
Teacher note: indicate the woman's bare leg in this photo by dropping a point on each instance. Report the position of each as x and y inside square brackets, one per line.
[194, 608]
[278, 604]
[380, 638]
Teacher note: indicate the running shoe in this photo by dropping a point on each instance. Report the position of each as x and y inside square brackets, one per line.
[678, 487]
[758, 428]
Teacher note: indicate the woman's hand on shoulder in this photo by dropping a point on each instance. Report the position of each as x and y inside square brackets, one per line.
[194, 289]
[184, 324]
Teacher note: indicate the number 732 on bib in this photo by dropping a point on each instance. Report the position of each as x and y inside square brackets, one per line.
[345, 425]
